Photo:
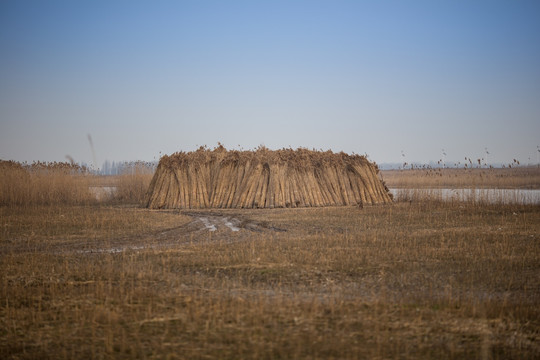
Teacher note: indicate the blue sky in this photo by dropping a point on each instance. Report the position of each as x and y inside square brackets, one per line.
[376, 77]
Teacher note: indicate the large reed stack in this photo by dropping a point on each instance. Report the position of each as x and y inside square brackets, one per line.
[264, 179]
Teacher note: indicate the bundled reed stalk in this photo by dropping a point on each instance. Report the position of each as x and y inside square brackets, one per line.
[264, 179]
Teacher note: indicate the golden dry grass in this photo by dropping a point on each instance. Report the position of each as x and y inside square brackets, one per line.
[64, 183]
[132, 185]
[500, 178]
[410, 280]
[42, 183]
[264, 179]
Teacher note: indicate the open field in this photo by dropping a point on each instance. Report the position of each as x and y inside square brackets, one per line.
[83, 278]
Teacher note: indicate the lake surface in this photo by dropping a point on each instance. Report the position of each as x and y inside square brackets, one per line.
[504, 196]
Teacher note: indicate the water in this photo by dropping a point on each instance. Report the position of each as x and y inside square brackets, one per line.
[229, 223]
[211, 223]
[493, 196]
[102, 192]
[207, 224]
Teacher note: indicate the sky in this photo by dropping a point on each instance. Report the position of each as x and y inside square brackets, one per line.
[396, 80]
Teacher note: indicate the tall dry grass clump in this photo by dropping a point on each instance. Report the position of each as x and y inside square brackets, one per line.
[43, 184]
[264, 179]
[131, 186]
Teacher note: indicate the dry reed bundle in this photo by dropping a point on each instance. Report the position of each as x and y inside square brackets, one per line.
[264, 179]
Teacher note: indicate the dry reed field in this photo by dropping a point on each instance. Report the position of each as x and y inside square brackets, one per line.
[500, 178]
[87, 278]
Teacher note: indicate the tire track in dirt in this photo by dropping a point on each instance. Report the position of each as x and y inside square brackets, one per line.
[204, 228]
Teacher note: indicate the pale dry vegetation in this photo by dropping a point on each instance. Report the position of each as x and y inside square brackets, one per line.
[425, 279]
[64, 183]
[43, 184]
[500, 178]
[264, 179]
[132, 185]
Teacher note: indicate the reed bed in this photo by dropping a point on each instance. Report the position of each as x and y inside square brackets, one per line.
[60, 183]
[264, 179]
[517, 177]
[132, 185]
[43, 184]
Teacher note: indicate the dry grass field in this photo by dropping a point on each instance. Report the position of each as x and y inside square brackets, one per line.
[82, 278]
[499, 178]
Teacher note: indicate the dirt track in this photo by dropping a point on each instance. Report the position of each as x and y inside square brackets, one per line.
[204, 227]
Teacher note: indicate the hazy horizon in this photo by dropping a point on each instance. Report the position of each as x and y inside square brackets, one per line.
[398, 81]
